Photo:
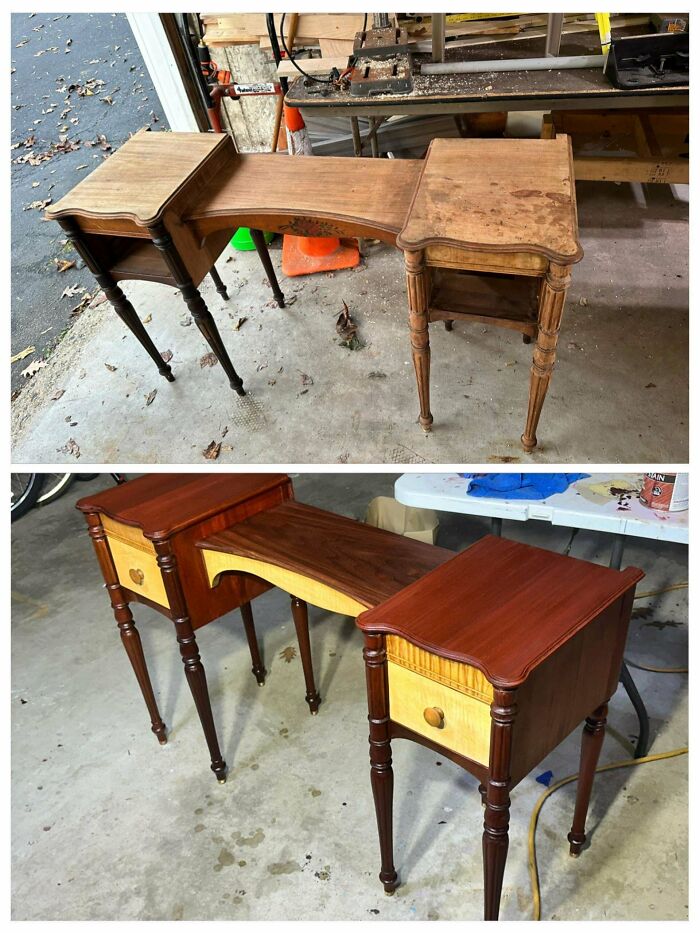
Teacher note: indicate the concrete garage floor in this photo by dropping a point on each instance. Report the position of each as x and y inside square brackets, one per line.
[108, 825]
[619, 391]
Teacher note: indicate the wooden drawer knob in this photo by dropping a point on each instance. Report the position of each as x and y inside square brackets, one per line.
[434, 716]
[137, 577]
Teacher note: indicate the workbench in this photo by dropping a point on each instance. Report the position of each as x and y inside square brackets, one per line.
[488, 229]
[575, 89]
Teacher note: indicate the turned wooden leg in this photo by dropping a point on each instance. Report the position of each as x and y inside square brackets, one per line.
[128, 631]
[218, 284]
[300, 614]
[116, 296]
[258, 237]
[418, 296]
[497, 812]
[194, 669]
[551, 306]
[591, 744]
[381, 773]
[196, 304]
[132, 643]
[258, 667]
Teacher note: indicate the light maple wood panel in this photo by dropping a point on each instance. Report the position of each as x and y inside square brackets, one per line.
[135, 561]
[497, 194]
[466, 726]
[460, 677]
[311, 591]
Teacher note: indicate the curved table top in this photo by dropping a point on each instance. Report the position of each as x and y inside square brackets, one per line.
[142, 177]
[504, 195]
[500, 195]
[365, 564]
[501, 606]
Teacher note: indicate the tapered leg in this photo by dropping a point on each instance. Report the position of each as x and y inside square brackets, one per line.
[194, 669]
[551, 306]
[258, 237]
[128, 631]
[418, 292]
[497, 812]
[300, 614]
[591, 744]
[116, 296]
[258, 667]
[482, 792]
[132, 643]
[219, 285]
[381, 772]
[196, 304]
[449, 325]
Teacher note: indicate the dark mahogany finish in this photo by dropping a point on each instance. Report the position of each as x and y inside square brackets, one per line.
[172, 511]
[548, 633]
[365, 563]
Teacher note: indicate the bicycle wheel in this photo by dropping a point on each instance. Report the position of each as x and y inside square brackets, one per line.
[55, 484]
[25, 489]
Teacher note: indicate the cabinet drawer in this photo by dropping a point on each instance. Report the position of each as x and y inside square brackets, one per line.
[135, 561]
[465, 721]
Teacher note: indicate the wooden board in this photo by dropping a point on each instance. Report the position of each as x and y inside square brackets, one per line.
[524, 201]
[233, 28]
[142, 177]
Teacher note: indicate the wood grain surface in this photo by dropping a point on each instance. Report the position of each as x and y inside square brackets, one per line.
[371, 193]
[161, 504]
[497, 194]
[501, 606]
[365, 563]
[141, 177]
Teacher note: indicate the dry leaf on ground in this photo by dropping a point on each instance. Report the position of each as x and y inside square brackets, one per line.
[288, 654]
[211, 452]
[209, 359]
[22, 353]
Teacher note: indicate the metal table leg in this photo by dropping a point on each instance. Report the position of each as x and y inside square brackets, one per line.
[497, 527]
[642, 745]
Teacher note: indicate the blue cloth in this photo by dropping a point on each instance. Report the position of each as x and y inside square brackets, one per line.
[545, 778]
[520, 485]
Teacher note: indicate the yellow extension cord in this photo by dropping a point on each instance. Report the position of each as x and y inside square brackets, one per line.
[532, 853]
[626, 763]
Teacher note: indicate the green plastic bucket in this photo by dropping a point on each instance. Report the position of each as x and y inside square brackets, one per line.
[242, 239]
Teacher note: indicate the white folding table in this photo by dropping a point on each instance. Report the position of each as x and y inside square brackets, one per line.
[584, 505]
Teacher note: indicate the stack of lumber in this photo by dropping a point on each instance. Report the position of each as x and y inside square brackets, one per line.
[461, 32]
[332, 32]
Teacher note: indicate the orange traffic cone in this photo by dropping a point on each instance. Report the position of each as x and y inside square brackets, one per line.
[302, 255]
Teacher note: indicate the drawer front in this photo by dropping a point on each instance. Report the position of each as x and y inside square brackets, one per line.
[463, 723]
[517, 263]
[135, 561]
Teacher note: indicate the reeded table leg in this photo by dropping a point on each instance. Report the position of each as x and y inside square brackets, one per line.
[218, 284]
[196, 304]
[128, 631]
[258, 237]
[300, 614]
[381, 772]
[417, 287]
[497, 812]
[116, 297]
[591, 744]
[194, 669]
[552, 297]
[258, 667]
